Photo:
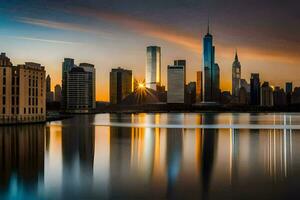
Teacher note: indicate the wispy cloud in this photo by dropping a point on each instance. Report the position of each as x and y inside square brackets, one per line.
[68, 26]
[45, 40]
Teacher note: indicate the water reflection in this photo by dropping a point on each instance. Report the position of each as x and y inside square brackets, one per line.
[22, 160]
[77, 159]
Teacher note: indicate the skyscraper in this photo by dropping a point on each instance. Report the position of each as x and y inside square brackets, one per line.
[77, 91]
[90, 69]
[75, 101]
[67, 65]
[199, 87]
[254, 89]
[266, 95]
[153, 67]
[121, 84]
[176, 84]
[49, 93]
[236, 76]
[211, 80]
[57, 93]
[289, 90]
[23, 92]
[289, 87]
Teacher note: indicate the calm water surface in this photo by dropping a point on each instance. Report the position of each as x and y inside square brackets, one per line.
[153, 156]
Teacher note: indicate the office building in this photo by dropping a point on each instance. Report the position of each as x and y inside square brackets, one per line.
[153, 67]
[211, 78]
[57, 92]
[289, 87]
[78, 87]
[245, 85]
[266, 95]
[49, 93]
[279, 97]
[255, 89]
[190, 93]
[77, 91]
[176, 84]
[23, 92]
[199, 87]
[236, 76]
[243, 96]
[295, 98]
[121, 85]
[91, 71]
[67, 65]
[289, 91]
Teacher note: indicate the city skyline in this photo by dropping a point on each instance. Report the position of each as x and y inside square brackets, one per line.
[110, 31]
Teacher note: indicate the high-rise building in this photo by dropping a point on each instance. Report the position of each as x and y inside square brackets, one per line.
[77, 91]
[266, 95]
[83, 80]
[153, 67]
[57, 91]
[289, 87]
[23, 92]
[121, 84]
[211, 78]
[245, 85]
[67, 65]
[90, 69]
[176, 84]
[199, 87]
[49, 93]
[254, 89]
[236, 76]
[243, 96]
[289, 91]
[279, 97]
[190, 93]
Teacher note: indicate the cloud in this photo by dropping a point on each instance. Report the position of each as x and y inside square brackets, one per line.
[68, 26]
[45, 40]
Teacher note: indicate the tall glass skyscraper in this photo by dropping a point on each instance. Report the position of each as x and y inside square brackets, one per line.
[236, 76]
[153, 67]
[211, 76]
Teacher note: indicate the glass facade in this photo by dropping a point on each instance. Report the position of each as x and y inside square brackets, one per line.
[153, 67]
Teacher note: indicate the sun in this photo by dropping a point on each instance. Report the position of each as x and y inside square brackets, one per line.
[141, 85]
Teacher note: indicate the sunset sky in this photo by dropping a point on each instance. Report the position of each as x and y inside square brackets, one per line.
[113, 33]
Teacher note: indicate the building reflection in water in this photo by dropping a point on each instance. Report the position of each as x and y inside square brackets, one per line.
[22, 160]
[209, 146]
[85, 161]
[78, 145]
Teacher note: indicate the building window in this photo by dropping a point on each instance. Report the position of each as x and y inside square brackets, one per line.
[29, 92]
[17, 109]
[13, 90]
[29, 82]
[12, 110]
[4, 81]
[29, 99]
[3, 110]
[24, 110]
[42, 111]
[13, 100]
[17, 100]
[29, 110]
[18, 90]
[36, 110]
[3, 90]
[3, 100]
[32, 110]
[4, 72]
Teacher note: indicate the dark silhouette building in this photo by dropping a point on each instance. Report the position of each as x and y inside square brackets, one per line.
[255, 89]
